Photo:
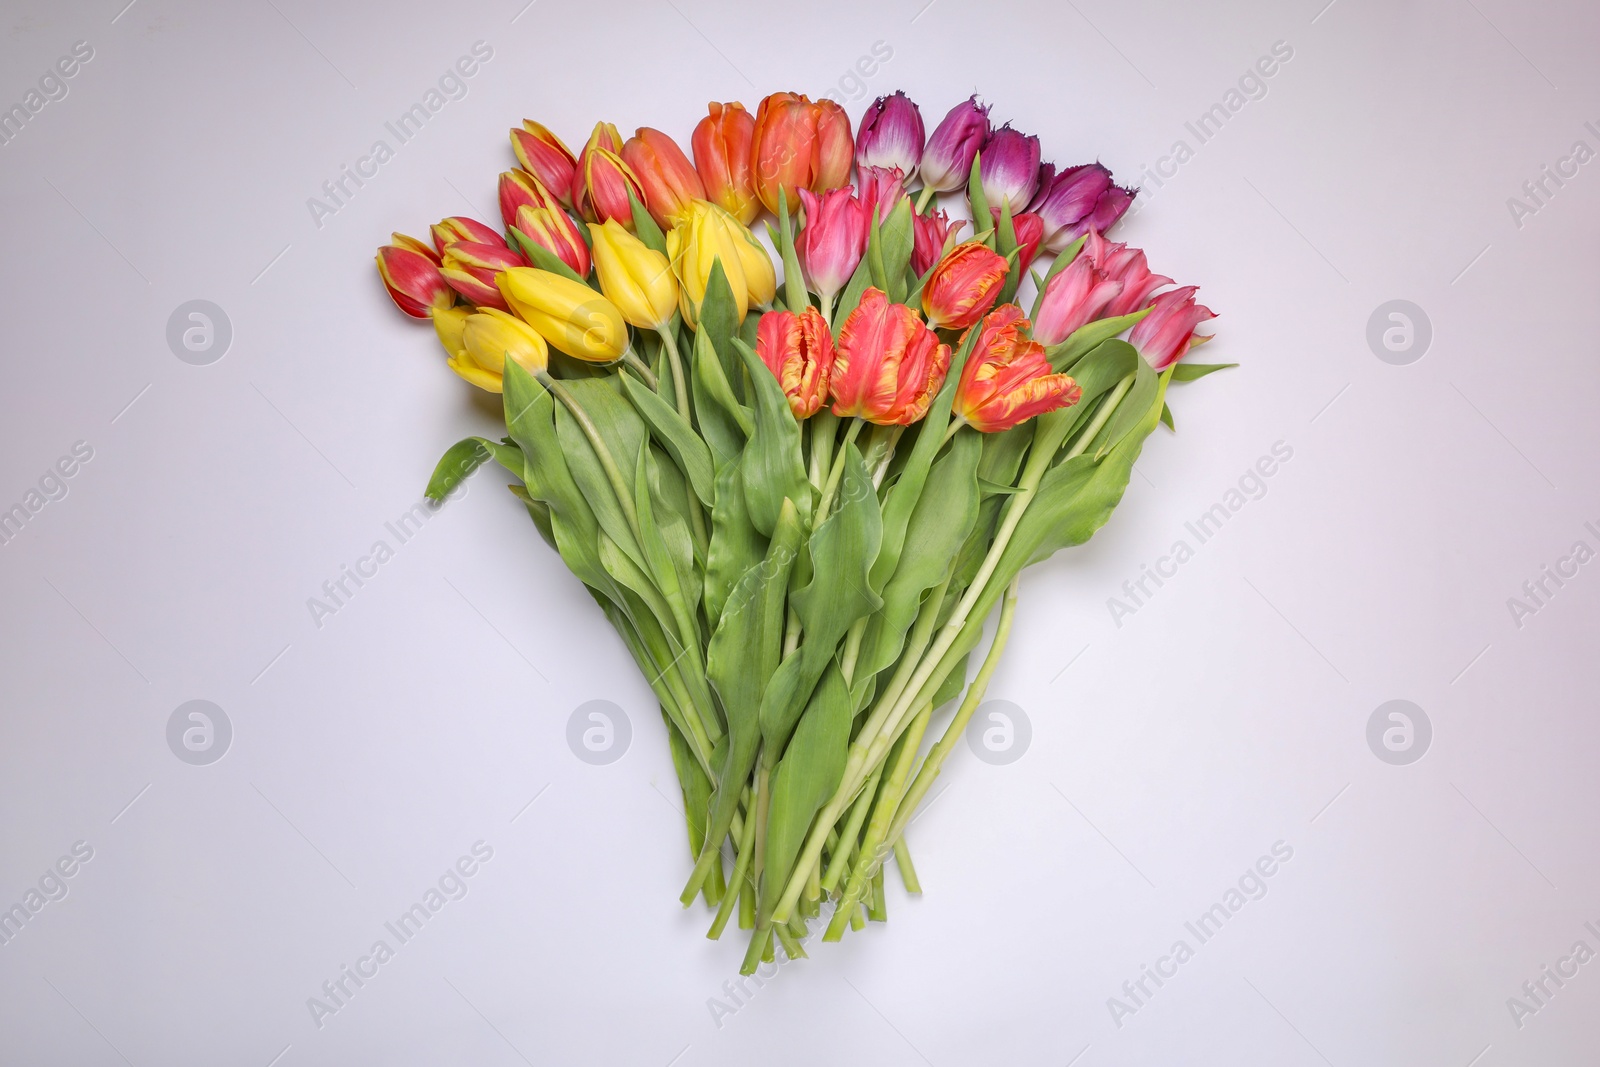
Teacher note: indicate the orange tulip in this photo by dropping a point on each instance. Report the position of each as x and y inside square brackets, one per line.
[797, 145]
[798, 349]
[1007, 379]
[722, 146]
[888, 366]
[668, 178]
[963, 286]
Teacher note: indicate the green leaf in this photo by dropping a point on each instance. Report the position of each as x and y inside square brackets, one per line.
[719, 321]
[466, 456]
[623, 433]
[874, 256]
[667, 546]
[542, 257]
[978, 202]
[735, 546]
[841, 551]
[1188, 372]
[1088, 337]
[1166, 417]
[1131, 412]
[1006, 244]
[724, 422]
[806, 778]
[774, 469]
[850, 299]
[794, 283]
[644, 226]
[740, 661]
[538, 511]
[989, 488]
[898, 239]
[676, 436]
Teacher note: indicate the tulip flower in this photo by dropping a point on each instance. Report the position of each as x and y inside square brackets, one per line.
[1007, 379]
[606, 136]
[722, 145]
[797, 144]
[471, 269]
[542, 154]
[634, 276]
[882, 188]
[568, 314]
[1077, 200]
[931, 233]
[1010, 168]
[607, 183]
[529, 206]
[964, 286]
[891, 135]
[1163, 336]
[449, 324]
[798, 349]
[1077, 295]
[705, 234]
[1029, 229]
[888, 366]
[834, 238]
[488, 339]
[1128, 266]
[410, 271]
[947, 160]
[460, 228]
[668, 178]
[519, 189]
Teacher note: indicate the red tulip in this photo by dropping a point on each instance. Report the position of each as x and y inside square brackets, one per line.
[798, 349]
[471, 270]
[1029, 229]
[931, 233]
[1163, 336]
[722, 145]
[668, 178]
[410, 271]
[460, 228]
[888, 366]
[1007, 379]
[834, 238]
[542, 154]
[964, 286]
[530, 207]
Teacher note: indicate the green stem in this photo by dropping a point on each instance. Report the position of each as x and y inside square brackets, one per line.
[839, 863]
[835, 473]
[826, 300]
[675, 363]
[735, 893]
[955, 424]
[952, 734]
[1101, 417]
[602, 453]
[641, 368]
[902, 860]
[923, 197]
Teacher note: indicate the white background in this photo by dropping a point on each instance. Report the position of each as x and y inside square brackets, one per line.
[1227, 714]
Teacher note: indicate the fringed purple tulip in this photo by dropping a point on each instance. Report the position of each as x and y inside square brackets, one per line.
[1077, 200]
[947, 160]
[1010, 168]
[891, 135]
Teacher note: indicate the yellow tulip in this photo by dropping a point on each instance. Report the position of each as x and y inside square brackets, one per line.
[448, 323]
[758, 276]
[569, 314]
[487, 338]
[634, 276]
[704, 234]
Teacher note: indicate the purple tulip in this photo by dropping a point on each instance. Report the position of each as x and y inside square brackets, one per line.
[947, 161]
[1077, 200]
[890, 135]
[1010, 168]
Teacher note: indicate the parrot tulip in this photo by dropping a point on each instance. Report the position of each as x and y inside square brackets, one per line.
[798, 349]
[888, 366]
[1007, 379]
[964, 286]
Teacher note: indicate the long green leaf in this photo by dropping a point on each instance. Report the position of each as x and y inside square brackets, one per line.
[735, 546]
[774, 468]
[724, 422]
[676, 436]
[807, 776]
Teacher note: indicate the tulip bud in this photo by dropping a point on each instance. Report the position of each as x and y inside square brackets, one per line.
[1029, 231]
[798, 145]
[1010, 168]
[568, 314]
[448, 324]
[668, 178]
[542, 154]
[964, 286]
[1128, 266]
[798, 349]
[705, 234]
[834, 238]
[488, 339]
[471, 270]
[1077, 200]
[947, 160]
[888, 366]
[460, 228]
[891, 135]
[1163, 336]
[882, 189]
[606, 136]
[634, 276]
[607, 183]
[553, 230]
[932, 234]
[410, 271]
[722, 146]
[1074, 297]
[1007, 378]
[519, 189]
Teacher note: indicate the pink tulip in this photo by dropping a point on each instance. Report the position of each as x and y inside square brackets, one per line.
[835, 236]
[882, 188]
[1128, 266]
[1076, 296]
[931, 233]
[1163, 336]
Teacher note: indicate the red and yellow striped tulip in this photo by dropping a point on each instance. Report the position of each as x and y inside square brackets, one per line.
[410, 271]
[798, 349]
[888, 366]
[964, 286]
[542, 154]
[1007, 379]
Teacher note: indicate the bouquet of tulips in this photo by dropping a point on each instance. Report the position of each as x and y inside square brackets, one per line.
[799, 504]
